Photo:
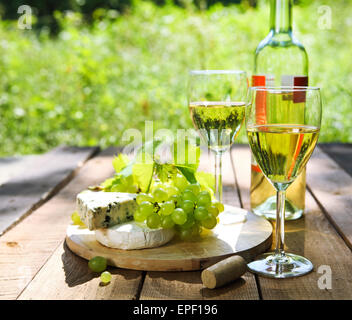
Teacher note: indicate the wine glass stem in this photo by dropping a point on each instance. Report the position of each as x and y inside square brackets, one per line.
[280, 224]
[218, 176]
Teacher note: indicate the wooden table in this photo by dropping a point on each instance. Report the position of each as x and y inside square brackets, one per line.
[36, 205]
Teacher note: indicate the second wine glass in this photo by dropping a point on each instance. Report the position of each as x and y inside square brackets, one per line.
[216, 100]
[283, 125]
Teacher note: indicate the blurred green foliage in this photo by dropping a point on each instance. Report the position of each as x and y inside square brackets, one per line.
[44, 10]
[92, 82]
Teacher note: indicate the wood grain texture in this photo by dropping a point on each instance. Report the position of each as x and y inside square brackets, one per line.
[11, 167]
[43, 176]
[311, 236]
[188, 285]
[25, 248]
[314, 238]
[341, 153]
[247, 239]
[67, 277]
[332, 188]
[126, 282]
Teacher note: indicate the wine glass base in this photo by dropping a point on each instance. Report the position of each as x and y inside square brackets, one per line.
[268, 210]
[291, 266]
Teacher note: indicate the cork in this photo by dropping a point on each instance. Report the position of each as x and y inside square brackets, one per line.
[224, 272]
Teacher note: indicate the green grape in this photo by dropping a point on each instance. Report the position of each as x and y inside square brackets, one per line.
[144, 197]
[97, 264]
[210, 222]
[185, 234]
[105, 277]
[219, 205]
[176, 199]
[139, 217]
[153, 221]
[146, 208]
[187, 206]
[76, 219]
[213, 210]
[201, 213]
[167, 222]
[194, 188]
[196, 230]
[166, 208]
[189, 222]
[189, 195]
[179, 216]
[180, 182]
[155, 185]
[131, 189]
[171, 190]
[204, 199]
[160, 195]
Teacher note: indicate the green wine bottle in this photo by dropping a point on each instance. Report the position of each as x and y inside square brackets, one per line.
[280, 60]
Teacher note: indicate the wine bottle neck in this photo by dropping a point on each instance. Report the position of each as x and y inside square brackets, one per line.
[281, 16]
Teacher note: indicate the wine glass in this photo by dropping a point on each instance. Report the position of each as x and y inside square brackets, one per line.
[283, 125]
[217, 101]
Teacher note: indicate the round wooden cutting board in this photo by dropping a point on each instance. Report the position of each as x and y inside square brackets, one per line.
[238, 232]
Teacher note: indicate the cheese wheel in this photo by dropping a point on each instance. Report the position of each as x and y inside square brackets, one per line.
[133, 235]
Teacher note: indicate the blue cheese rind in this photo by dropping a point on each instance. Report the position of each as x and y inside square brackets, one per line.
[105, 209]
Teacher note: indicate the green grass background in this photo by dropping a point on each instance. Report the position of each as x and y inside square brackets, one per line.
[92, 82]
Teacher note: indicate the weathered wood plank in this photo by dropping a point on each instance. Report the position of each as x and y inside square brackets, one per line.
[341, 153]
[52, 282]
[25, 248]
[332, 188]
[14, 166]
[67, 277]
[313, 237]
[188, 285]
[44, 175]
[325, 249]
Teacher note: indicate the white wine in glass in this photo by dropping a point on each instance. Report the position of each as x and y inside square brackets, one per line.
[217, 103]
[282, 148]
[218, 122]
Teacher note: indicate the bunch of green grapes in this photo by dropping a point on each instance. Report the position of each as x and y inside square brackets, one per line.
[180, 205]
